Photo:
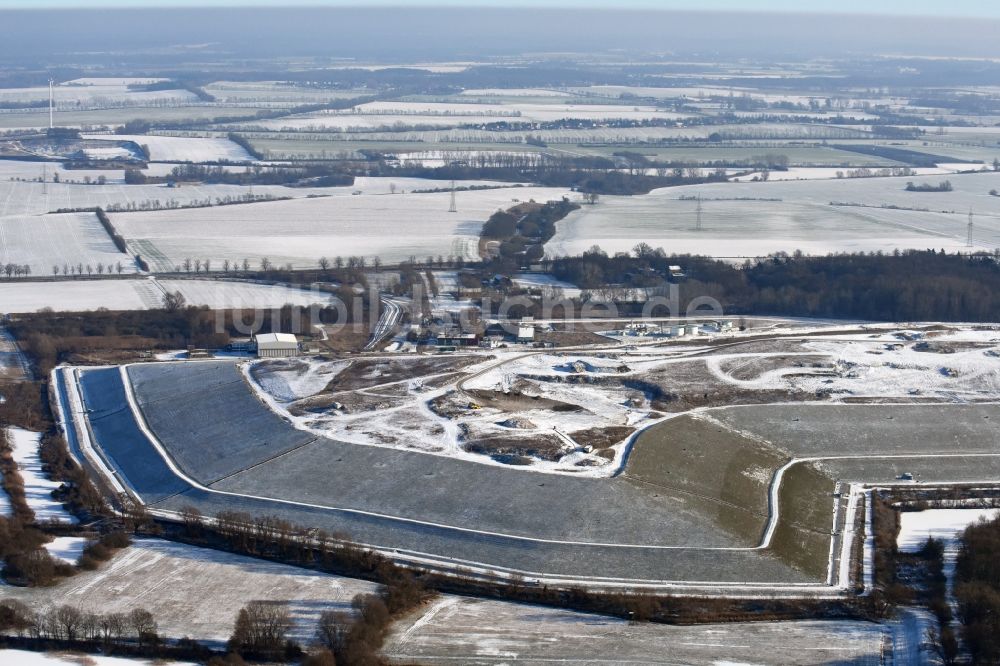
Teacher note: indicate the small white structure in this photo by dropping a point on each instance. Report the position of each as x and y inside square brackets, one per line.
[277, 345]
[693, 329]
[676, 331]
[525, 333]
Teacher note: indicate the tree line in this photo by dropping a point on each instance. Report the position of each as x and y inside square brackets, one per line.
[977, 589]
[917, 285]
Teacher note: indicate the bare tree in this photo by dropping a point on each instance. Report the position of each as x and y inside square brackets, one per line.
[68, 620]
[246, 265]
[265, 264]
[119, 267]
[225, 266]
[112, 626]
[187, 264]
[261, 627]
[332, 629]
[143, 625]
[172, 302]
[324, 263]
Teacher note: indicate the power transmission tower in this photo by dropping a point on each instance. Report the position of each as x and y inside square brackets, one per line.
[968, 240]
[51, 105]
[452, 208]
[697, 223]
[45, 179]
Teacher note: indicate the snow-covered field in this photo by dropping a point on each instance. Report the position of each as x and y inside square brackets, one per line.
[513, 92]
[173, 581]
[799, 217]
[301, 231]
[26, 658]
[144, 294]
[66, 548]
[827, 173]
[461, 630]
[20, 198]
[945, 525]
[184, 149]
[524, 111]
[45, 241]
[26, 170]
[375, 115]
[37, 487]
[94, 93]
[546, 281]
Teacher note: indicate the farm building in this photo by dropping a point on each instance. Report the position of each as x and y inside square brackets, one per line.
[277, 345]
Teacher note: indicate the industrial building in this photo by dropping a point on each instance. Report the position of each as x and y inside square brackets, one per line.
[277, 345]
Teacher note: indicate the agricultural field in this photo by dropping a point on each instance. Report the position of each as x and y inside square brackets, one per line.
[44, 242]
[299, 232]
[282, 145]
[275, 93]
[756, 219]
[34, 198]
[31, 170]
[171, 580]
[145, 294]
[486, 632]
[110, 117]
[26, 658]
[97, 93]
[184, 149]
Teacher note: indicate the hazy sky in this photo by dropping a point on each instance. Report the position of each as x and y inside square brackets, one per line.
[982, 8]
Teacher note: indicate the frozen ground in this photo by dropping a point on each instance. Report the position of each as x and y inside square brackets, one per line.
[26, 658]
[799, 217]
[301, 231]
[196, 592]
[37, 486]
[480, 632]
[184, 149]
[46, 241]
[147, 293]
